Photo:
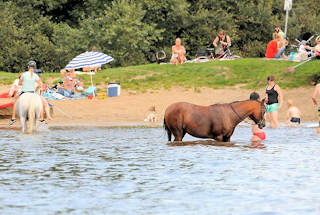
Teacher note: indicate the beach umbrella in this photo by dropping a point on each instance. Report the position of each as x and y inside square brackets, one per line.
[91, 59]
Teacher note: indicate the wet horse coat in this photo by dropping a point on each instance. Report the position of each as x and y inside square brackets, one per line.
[215, 121]
[28, 108]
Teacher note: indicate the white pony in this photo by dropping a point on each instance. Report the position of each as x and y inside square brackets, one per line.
[28, 108]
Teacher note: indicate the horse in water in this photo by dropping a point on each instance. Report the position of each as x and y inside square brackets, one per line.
[28, 108]
[216, 121]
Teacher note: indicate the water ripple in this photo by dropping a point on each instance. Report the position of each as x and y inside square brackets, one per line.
[134, 171]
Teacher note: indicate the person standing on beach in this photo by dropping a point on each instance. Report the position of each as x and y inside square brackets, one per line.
[274, 100]
[314, 99]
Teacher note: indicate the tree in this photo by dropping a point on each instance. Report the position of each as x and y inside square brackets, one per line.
[120, 32]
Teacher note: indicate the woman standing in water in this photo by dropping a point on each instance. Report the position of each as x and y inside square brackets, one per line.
[274, 100]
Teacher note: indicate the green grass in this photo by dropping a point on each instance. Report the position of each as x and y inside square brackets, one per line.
[248, 73]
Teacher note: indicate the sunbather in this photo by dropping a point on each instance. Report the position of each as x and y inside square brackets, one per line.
[178, 52]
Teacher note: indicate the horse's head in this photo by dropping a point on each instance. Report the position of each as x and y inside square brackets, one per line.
[258, 114]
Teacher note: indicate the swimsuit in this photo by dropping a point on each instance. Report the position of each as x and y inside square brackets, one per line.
[261, 135]
[272, 100]
[174, 56]
[295, 120]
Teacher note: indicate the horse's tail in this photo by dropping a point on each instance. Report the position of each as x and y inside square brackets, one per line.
[31, 114]
[165, 126]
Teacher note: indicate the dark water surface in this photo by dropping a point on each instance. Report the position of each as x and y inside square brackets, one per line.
[134, 171]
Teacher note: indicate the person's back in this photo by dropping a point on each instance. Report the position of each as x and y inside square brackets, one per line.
[272, 47]
[29, 81]
[293, 114]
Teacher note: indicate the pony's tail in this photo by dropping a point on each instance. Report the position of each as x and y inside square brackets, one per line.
[167, 129]
[31, 115]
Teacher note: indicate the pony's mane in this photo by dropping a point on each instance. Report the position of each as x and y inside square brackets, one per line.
[236, 102]
[244, 101]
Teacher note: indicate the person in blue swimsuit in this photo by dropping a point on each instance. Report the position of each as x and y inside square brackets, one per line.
[274, 100]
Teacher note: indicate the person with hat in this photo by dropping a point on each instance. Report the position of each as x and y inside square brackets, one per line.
[28, 81]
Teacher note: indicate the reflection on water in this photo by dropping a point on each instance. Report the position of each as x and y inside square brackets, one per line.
[134, 171]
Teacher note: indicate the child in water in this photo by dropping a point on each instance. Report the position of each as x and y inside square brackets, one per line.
[293, 114]
[257, 133]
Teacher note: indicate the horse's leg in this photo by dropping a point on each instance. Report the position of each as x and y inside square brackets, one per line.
[23, 123]
[178, 134]
[37, 120]
[219, 138]
[183, 133]
[226, 139]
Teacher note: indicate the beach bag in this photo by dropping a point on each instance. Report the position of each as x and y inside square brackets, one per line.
[91, 90]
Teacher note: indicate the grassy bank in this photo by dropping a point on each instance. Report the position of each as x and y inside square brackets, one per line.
[247, 73]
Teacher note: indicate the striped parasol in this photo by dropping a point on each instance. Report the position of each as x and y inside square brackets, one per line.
[89, 59]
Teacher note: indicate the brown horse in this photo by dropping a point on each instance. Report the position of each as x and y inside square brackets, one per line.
[216, 121]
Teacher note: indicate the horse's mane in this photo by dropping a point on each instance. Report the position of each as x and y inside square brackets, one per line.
[237, 102]
[245, 101]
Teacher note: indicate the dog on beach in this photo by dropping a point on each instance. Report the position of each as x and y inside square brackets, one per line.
[152, 115]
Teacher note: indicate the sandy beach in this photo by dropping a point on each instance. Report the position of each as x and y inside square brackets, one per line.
[132, 108]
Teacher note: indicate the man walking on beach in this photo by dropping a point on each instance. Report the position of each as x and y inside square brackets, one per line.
[314, 99]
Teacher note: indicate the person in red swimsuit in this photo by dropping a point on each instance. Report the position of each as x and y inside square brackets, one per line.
[257, 133]
[272, 47]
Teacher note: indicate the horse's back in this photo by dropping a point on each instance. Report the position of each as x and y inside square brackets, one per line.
[24, 101]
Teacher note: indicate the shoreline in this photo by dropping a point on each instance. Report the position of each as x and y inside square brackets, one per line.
[17, 126]
[130, 109]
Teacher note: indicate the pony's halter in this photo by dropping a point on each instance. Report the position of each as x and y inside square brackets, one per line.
[235, 112]
[261, 118]
[259, 123]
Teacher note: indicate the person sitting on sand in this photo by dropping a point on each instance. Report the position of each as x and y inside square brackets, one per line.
[293, 114]
[178, 52]
[257, 133]
[68, 84]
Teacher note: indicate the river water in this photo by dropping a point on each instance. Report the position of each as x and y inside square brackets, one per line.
[134, 171]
